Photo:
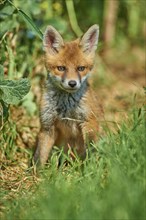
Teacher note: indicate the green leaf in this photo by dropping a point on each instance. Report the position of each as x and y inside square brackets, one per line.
[12, 91]
[29, 21]
[1, 72]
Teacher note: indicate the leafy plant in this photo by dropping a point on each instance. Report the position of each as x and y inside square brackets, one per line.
[11, 91]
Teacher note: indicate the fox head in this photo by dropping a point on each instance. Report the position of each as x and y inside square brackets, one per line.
[70, 63]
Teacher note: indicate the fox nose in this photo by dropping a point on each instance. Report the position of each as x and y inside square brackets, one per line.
[72, 83]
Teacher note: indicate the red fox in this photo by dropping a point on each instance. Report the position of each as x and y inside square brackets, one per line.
[69, 111]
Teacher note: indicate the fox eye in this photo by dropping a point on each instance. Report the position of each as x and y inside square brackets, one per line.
[61, 68]
[81, 68]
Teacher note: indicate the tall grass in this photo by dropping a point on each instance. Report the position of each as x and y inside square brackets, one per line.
[109, 185]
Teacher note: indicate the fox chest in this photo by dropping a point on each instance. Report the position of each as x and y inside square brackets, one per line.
[70, 110]
[65, 106]
[67, 109]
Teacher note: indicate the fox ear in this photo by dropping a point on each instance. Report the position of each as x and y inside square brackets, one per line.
[52, 40]
[89, 40]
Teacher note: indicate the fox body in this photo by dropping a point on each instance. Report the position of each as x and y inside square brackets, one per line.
[69, 110]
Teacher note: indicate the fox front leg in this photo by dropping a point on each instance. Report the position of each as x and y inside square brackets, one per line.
[45, 143]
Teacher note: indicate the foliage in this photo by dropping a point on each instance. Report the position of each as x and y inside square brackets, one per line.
[12, 91]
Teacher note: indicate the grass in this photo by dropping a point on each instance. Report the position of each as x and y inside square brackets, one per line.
[109, 185]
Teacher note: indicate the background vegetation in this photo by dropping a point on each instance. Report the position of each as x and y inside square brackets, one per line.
[111, 182]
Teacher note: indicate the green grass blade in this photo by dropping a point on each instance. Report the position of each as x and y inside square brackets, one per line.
[28, 20]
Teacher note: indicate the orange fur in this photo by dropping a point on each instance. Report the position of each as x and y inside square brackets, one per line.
[69, 113]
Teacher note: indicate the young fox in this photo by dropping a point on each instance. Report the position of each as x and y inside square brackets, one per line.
[69, 110]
